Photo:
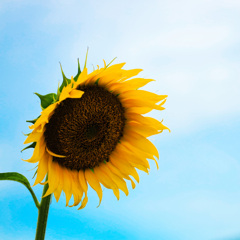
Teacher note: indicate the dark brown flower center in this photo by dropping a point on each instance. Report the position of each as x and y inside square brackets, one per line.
[86, 130]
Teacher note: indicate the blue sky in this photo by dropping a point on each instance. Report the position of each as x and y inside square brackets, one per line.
[192, 49]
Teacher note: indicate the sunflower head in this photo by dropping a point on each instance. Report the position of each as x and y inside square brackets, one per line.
[92, 133]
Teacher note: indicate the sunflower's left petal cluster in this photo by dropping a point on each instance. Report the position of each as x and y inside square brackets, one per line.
[41, 154]
[131, 153]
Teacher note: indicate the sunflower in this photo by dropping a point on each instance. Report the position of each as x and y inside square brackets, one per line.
[92, 133]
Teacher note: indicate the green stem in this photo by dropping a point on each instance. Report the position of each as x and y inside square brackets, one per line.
[43, 215]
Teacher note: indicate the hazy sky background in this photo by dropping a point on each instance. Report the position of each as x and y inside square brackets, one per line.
[192, 49]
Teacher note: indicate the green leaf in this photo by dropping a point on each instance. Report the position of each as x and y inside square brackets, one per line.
[66, 80]
[14, 176]
[79, 71]
[47, 100]
[29, 146]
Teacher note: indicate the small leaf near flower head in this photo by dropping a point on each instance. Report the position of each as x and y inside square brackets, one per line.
[30, 146]
[47, 100]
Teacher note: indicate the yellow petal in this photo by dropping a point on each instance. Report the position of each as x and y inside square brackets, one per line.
[132, 84]
[105, 65]
[119, 173]
[141, 129]
[38, 151]
[67, 184]
[57, 193]
[45, 116]
[158, 125]
[130, 73]
[53, 177]
[82, 181]
[134, 158]
[82, 77]
[76, 188]
[139, 152]
[124, 167]
[84, 203]
[33, 137]
[139, 110]
[76, 93]
[116, 88]
[54, 154]
[140, 142]
[142, 95]
[114, 70]
[92, 77]
[106, 181]
[115, 67]
[136, 83]
[42, 168]
[156, 163]
[94, 183]
[105, 80]
[148, 121]
[121, 184]
[144, 153]
[141, 103]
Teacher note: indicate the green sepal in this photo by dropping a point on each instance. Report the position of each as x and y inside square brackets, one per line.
[92, 170]
[30, 146]
[65, 82]
[34, 174]
[58, 92]
[110, 62]
[14, 176]
[85, 64]
[26, 134]
[34, 120]
[105, 161]
[97, 81]
[79, 71]
[47, 100]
